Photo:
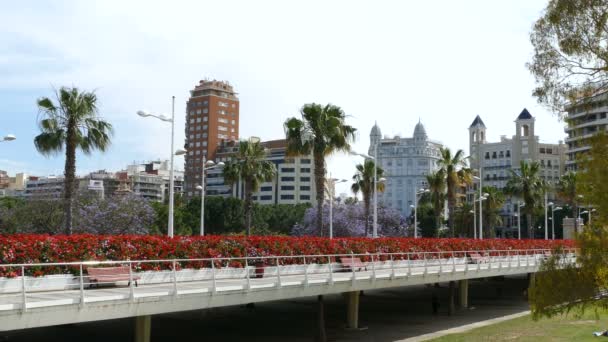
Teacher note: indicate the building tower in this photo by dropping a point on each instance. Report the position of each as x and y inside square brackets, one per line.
[212, 116]
[374, 138]
[477, 137]
[525, 146]
[420, 136]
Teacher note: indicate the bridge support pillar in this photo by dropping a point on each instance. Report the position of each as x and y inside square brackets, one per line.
[143, 328]
[352, 309]
[451, 303]
[463, 298]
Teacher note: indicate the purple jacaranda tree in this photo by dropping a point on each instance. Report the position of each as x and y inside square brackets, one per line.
[114, 215]
[349, 221]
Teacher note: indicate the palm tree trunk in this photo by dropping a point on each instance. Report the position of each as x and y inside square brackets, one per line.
[575, 215]
[451, 217]
[367, 207]
[530, 226]
[248, 205]
[70, 175]
[320, 185]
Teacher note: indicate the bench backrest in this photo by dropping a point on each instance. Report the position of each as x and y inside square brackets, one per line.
[351, 261]
[108, 271]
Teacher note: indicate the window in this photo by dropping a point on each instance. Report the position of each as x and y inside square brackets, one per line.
[286, 197]
[222, 128]
[191, 136]
[198, 111]
[198, 144]
[487, 155]
[266, 188]
[222, 120]
[205, 103]
[233, 122]
[305, 161]
[288, 179]
[289, 161]
[205, 110]
[253, 198]
[204, 135]
[222, 136]
[204, 127]
[205, 118]
[288, 169]
[204, 143]
[287, 187]
[305, 169]
[304, 179]
[494, 155]
[508, 154]
[305, 197]
[304, 188]
[266, 197]
[233, 105]
[222, 104]
[221, 112]
[191, 121]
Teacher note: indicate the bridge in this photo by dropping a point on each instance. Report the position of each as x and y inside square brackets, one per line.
[193, 284]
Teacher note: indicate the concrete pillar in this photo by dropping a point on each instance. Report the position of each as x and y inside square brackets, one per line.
[451, 306]
[321, 335]
[463, 298]
[143, 328]
[352, 310]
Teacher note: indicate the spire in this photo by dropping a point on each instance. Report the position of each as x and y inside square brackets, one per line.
[524, 115]
[477, 122]
[376, 130]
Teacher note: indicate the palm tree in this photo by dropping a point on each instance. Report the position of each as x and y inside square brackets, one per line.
[566, 190]
[71, 123]
[364, 183]
[495, 199]
[321, 131]
[528, 185]
[437, 185]
[249, 164]
[451, 166]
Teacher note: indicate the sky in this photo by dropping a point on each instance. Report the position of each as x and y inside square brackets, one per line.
[391, 62]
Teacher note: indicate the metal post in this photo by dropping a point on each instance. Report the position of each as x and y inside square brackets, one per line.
[131, 289]
[474, 218]
[392, 268]
[424, 264]
[171, 184]
[415, 213]
[305, 272]
[409, 266]
[480, 203]
[373, 269]
[518, 221]
[375, 190]
[23, 295]
[453, 262]
[546, 223]
[331, 205]
[214, 289]
[331, 272]
[553, 223]
[174, 278]
[278, 273]
[81, 287]
[203, 187]
[247, 273]
[352, 267]
[440, 265]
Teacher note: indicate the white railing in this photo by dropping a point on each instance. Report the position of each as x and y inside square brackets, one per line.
[175, 277]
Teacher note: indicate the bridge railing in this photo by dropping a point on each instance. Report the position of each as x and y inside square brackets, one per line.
[174, 277]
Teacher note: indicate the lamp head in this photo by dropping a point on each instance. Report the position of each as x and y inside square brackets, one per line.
[557, 208]
[382, 180]
[143, 113]
[485, 194]
[9, 137]
[199, 187]
[209, 163]
[221, 164]
[180, 152]
[550, 204]
[412, 206]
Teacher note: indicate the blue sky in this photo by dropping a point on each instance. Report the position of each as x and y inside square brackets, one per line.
[387, 61]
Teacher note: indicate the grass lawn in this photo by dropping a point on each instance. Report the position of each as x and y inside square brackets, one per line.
[561, 328]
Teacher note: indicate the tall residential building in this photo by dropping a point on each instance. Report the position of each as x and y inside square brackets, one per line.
[497, 158]
[293, 183]
[585, 119]
[212, 117]
[406, 162]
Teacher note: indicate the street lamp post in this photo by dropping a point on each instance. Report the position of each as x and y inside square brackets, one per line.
[376, 181]
[333, 182]
[480, 206]
[161, 117]
[8, 137]
[546, 223]
[519, 206]
[201, 187]
[416, 194]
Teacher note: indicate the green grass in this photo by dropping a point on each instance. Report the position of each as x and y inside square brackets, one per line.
[561, 328]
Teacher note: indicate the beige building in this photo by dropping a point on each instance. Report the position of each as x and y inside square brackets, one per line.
[498, 158]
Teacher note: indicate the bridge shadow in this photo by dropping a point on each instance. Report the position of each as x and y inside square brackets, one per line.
[389, 315]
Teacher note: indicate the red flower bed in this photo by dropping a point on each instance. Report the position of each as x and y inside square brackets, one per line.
[20, 248]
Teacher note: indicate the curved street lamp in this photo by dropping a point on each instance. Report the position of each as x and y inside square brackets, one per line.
[210, 165]
[8, 137]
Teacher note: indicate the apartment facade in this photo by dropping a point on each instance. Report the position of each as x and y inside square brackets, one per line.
[497, 159]
[406, 162]
[212, 117]
[293, 182]
[585, 119]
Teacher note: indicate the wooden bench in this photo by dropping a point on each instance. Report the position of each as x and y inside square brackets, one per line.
[477, 258]
[110, 274]
[352, 264]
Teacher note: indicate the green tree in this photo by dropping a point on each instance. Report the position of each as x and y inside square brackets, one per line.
[364, 183]
[249, 164]
[491, 209]
[570, 60]
[321, 131]
[566, 191]
[71, 123]
[451, 166]
[437, 186]
[464, 220]
[527, 184]
[562, 288]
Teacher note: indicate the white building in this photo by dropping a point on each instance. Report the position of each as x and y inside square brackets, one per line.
[585, 119]
[293, 183]
[406, 163]
[498, 158]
